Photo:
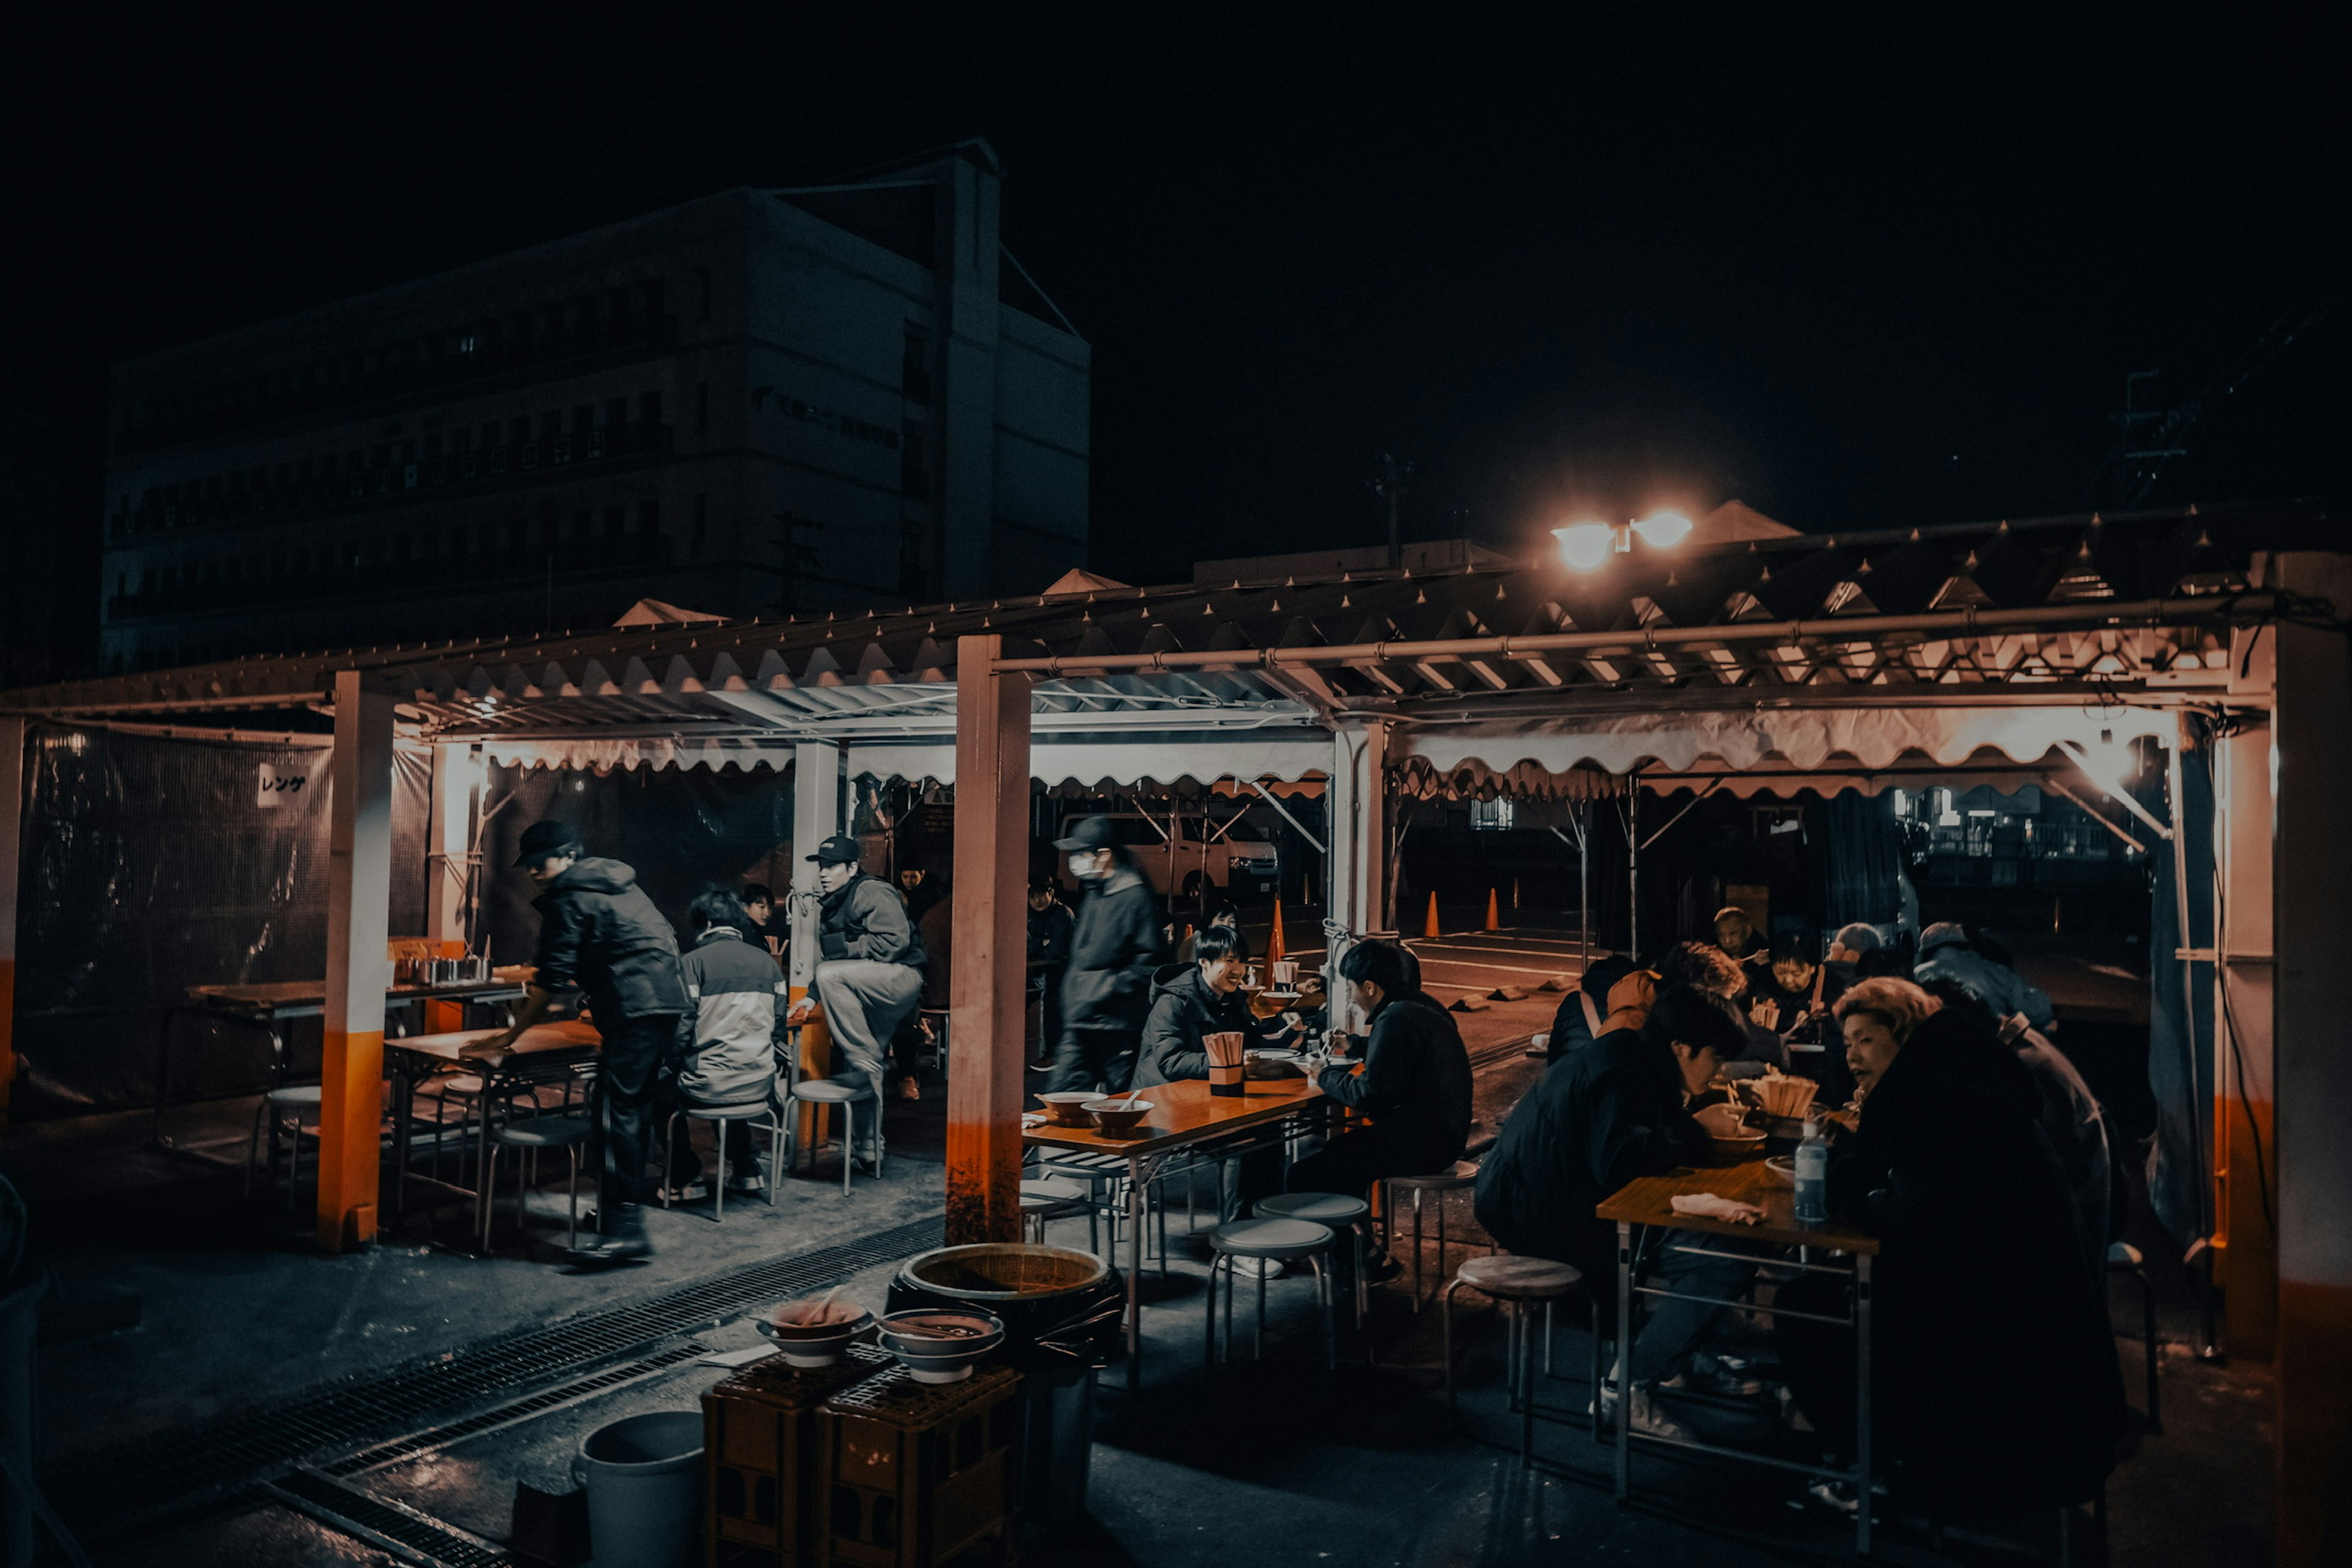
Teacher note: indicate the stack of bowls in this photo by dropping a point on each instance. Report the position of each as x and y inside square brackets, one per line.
[941, 1344]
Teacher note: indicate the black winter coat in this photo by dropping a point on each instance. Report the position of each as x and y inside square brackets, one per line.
[1597, 1119]
[1185, 1009]
[1113, 952]
[598, 930]
[1415, 1085]
[1997, 1373]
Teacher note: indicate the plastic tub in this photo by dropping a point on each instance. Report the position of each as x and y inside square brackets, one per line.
[644, 1475]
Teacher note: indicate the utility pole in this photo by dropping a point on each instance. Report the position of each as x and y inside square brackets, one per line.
[1390, 486]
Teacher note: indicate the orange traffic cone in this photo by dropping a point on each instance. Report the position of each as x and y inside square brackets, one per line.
[1273, 948]
[1428, 928]
[1494, 916]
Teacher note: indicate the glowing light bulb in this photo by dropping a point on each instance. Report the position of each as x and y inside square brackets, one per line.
[1584, 546]
[1664, 531]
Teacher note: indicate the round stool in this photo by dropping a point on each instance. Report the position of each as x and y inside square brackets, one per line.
[1516, 1282]
[297, 1104]
[1276, 1240]
[1338, 1211]
[529, 1135]
[1052, 1197]
[1454, 1178]
[849, 1095]
[751, 1111]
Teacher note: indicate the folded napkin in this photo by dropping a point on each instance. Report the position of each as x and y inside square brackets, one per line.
[1710, 1205]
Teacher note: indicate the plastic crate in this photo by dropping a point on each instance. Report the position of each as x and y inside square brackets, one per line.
[916, 1474]
[760, 1448]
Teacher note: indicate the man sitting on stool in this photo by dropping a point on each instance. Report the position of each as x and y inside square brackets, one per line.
[871, 976]
[1416, 1086]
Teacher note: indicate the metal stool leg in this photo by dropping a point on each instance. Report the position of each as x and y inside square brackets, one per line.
[572, 1200]
[1441, 1236]
[669, 1145]
[1416, 1249]
[1209, 1350]
[718, 1193]
[1257, 1343]
[485, 1197]
[1522, 1326]
[1445, 1337]
[1331, 1313]
[849, 1141]
[252, 1145]
[2148, 1342]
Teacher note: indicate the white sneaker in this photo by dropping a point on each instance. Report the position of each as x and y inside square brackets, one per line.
[1649, 1420]
[1256, 1267]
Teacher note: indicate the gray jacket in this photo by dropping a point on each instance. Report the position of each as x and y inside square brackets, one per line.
[728, 1043]
[867, 919]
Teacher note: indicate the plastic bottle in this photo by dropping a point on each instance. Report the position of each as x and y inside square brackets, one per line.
[1812, 1165]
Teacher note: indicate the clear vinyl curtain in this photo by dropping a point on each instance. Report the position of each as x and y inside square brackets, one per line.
[2180, 997]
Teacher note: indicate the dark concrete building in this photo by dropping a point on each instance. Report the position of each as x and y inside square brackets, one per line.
[762, 403]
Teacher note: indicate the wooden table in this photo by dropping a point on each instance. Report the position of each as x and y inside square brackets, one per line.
[413, 1058]
[268, 1005]
[1182, 1114]
[1649, 1202]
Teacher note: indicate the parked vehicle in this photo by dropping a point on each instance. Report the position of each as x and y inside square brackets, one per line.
[1195, 855]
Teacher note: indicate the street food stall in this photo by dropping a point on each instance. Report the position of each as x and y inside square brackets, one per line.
[1848, 661]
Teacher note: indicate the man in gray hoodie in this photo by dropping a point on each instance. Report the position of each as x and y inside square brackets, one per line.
[871, 976]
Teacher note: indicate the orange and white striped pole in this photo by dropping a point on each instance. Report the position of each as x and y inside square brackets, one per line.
[12, 805]
[359, 892]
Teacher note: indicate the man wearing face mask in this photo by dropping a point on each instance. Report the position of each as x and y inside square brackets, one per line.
[1107, 989]
[871, 975]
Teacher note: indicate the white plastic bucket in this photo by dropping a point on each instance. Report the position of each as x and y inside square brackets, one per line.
[644, 1475]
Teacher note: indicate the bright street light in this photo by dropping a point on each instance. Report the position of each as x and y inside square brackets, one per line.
[1583, 546]
[1586, 546]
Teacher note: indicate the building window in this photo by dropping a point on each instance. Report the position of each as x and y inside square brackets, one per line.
[702, 406]
[615, 520]
[1493, 815]
[649, 517]
[914, 474]
[649, 408]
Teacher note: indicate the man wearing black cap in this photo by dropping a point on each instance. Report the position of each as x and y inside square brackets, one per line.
[870, 979]
[598, 931]
[1107, 990]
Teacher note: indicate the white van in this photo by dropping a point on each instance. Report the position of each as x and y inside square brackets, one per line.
[1195, 855]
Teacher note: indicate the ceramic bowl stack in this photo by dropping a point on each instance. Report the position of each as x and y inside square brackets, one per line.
[941, 1344]
[814, 1333]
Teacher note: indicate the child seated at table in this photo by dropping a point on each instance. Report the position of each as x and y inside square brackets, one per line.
[726, 1052]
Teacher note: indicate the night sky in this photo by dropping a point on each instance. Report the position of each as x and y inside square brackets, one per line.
[1860, 273]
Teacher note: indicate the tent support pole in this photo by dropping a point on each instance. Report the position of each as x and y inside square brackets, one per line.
[359, 890]
[12, 805]
[988, 982]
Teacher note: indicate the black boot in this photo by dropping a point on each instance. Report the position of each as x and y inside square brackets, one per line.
[622, 1239]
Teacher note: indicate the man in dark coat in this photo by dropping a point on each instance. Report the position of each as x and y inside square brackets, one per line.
[1193, 1001]
[1415, 1087]
[1106, 991]
[598, 931]
[1997, 1387]
[1051, 927]
[1614, 1111]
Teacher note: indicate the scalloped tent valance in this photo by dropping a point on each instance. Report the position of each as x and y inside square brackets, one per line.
[1053, 761]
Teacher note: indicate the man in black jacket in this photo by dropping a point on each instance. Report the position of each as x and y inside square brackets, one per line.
[1106, 991]
[1051, 927]
[870, 979]
[598, 931]
[1415, 1087]
[1613, 1111]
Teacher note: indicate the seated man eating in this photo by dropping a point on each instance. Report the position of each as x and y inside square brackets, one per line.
[1415, 1087]
[1193, 1001]
[1613, 1111]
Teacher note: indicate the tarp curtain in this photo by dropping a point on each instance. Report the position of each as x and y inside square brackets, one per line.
[1864, 880]
[683, 830]
[2180, 1023]
[153, 864]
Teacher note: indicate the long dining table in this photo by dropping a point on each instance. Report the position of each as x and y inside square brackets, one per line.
[1184, 1116]
[1649, 1202]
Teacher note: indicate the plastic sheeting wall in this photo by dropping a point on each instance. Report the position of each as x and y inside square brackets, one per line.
[683, 829]
[152, 864]
[2180, 1022]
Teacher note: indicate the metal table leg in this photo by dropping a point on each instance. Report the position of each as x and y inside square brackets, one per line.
[1134, 1273]
[1862, 1402]
[1624, 1361]
[404, 1112]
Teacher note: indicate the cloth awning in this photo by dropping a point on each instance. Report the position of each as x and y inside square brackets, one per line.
[1291, 754]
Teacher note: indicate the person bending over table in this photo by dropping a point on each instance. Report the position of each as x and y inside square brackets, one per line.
[1997, 1387]
[1415, 1087]
[870, 979]
[1610, 1114]
[598, 930]
[726, 1052]
[1114, 949]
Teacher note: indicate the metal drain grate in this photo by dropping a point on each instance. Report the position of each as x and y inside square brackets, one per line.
[433, 1438]
[340, 1418]
[417, 1537]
